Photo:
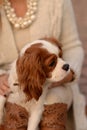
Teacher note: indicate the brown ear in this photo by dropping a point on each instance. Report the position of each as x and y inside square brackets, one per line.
[30, 74]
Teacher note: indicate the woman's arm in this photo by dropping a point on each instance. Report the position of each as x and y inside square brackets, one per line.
[73, 54]
[4, 88]
[72, 47]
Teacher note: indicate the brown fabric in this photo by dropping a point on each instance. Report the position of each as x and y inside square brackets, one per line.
[54, 117]
[70, 119]
[16, 117]
[1, 127]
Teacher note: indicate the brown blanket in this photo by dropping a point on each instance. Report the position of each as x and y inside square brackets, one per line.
[17, 115]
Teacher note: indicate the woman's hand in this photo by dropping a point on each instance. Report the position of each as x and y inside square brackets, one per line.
[70, 77]
[4, 88]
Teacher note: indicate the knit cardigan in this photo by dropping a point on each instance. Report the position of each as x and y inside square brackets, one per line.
[55, 18]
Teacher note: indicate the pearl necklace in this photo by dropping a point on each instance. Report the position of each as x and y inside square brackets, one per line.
[20, 22]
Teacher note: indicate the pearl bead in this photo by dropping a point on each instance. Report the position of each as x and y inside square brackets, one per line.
[8, 12]
[8, 15]
[20, 22]
[34, 4]
[29, 21]
[13, 15]
[8, 3]
[34, 8]
[17, 25]
[25, 23]
[27, 13]
[32, 17]
[6, 7]
[12, 10]
[13, 21]
[20, 18]
[32, 12]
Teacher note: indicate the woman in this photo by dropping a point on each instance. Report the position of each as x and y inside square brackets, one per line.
[23, 21]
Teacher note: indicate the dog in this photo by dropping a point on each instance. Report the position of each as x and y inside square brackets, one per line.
[38, 65]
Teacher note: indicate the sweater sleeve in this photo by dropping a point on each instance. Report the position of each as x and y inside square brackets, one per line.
[72, 47]
[1, 70]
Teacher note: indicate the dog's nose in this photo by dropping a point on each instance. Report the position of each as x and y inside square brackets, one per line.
[65, 67]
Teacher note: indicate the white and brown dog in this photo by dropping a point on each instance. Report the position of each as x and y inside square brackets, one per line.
[38, 65]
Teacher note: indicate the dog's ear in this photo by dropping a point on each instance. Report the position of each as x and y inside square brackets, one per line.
[30, 74]
[55, 42]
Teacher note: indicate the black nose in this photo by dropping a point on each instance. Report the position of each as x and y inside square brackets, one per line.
[65, 67]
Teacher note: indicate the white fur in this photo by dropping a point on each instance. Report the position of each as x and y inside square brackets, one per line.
[59, 94]
[58, 73]
[35, 108]
[50, 47]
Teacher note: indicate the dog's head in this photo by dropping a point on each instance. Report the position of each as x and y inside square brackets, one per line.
[40, 62]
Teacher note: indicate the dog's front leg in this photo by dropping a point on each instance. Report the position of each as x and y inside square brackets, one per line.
[2, 103]
[34, 118]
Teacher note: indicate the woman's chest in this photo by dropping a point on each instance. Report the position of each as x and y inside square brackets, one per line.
[46, 24]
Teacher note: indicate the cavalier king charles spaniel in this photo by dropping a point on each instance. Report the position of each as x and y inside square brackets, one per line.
[39, 64]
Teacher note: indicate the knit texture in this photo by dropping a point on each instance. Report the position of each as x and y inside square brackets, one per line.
[54, 19]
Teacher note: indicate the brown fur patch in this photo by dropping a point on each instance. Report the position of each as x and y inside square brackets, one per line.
[33, 68]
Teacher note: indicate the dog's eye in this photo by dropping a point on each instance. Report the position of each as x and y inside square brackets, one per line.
[15, 84]
[53, 63]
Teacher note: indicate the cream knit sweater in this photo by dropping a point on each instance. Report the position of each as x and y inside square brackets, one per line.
[55, 18]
